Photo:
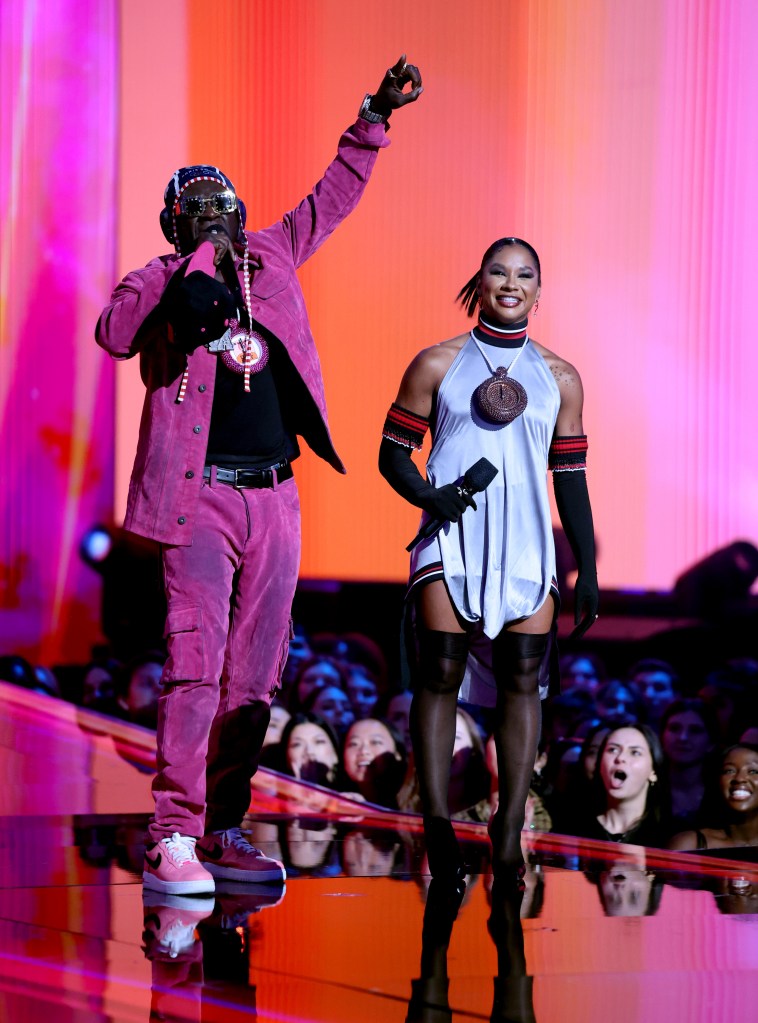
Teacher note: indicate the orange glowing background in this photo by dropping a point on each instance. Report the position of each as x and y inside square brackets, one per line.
[616, 138]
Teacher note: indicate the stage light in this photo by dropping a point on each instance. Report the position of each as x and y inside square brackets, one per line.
[96, 545]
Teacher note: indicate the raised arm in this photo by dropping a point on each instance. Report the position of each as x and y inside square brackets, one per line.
[345, 179]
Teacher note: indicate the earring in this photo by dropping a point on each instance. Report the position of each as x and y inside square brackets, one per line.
[535, 307]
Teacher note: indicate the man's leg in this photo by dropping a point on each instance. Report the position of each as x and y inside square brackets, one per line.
[259, 634]
[198, 581]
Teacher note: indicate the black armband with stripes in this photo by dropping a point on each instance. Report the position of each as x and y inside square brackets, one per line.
[404, 427]
[568, 454]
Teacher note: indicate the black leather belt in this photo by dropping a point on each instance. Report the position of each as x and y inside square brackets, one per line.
[252, 479]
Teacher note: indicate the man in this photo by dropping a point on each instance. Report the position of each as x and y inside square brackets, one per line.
[232, 377]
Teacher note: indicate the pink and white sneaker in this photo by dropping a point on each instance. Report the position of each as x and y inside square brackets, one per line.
[172, 866]
[228, 854]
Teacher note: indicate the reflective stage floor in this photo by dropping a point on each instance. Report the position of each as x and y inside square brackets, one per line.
[357, 934]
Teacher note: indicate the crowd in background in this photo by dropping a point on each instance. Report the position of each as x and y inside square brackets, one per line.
[639, 759]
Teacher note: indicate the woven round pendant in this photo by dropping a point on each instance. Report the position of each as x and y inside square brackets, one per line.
[245, 342]
[500, 399]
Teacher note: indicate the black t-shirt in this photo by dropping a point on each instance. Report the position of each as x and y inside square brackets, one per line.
[257, 429]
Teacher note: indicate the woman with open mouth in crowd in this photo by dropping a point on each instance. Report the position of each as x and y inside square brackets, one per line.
[627, 789]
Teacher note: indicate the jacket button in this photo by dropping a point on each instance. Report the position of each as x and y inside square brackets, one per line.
[181, 520]
[196, 429]
[189, 475]
[202, 388]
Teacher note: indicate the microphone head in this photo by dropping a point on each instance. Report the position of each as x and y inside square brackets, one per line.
[479, 476]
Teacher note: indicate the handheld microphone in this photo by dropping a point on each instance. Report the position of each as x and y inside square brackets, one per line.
[475, 479]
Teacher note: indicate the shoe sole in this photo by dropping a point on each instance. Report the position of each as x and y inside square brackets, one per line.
[268, 891]
[160, 900]
[178, 887]
[250, 876]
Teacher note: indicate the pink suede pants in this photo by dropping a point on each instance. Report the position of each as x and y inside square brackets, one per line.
[228, 629]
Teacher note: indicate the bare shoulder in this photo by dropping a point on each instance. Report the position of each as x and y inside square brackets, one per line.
[683, 841]
[566, 375]
[715, 838]
[432, 363]
[425, 374]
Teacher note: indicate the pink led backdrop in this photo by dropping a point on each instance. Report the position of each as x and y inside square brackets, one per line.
[58, 77]
[616, 138]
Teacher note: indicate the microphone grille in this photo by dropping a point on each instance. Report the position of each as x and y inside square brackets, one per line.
[480, 475]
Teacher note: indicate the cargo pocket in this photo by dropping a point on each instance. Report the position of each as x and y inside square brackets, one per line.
[186, 646]
[283, 652]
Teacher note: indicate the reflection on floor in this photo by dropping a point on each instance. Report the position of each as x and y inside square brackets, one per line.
[358, 934]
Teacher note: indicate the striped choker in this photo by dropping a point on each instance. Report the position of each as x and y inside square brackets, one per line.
[502, 337]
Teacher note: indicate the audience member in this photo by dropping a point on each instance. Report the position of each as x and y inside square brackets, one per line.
[18, 671]
[626, 789]
[299, 651]
[733, 813]
[576, 793]
[536, 816]
[374, 761]
[618, 701]
[279, 718]
[362, 690]
[332, 705]
[657, 685]
[728, 691]
[563, 714]
[397, 710]
[688, 732]
[99, 685]
[309, 750]
[581, 673]
[316, 672]
[138, 688]
[46, 682]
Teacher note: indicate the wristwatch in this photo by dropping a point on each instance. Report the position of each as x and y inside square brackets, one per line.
[367, 113]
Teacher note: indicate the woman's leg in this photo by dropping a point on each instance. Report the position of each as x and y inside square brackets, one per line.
[516, 656]
[443, 648]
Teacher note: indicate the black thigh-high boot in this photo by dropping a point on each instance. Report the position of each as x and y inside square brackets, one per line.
[518, 716]
[442, 662]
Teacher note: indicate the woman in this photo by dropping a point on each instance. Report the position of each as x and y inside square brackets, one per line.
[736, 823]
[309, 750]
[482, 585]
[688, 731]
[374, 759]
[626, 789]
[469, 789]
[332, 705]
[568, 804]
[316, 672]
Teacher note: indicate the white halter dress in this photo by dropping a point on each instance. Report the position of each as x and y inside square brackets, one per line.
[499, 561]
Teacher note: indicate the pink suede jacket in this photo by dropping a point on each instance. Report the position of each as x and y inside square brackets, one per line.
[168, 468]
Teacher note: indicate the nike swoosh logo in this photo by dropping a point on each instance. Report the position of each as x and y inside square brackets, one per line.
[212, 854]
[154, 862]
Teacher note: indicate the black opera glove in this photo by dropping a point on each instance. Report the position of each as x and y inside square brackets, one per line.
[573, 501]
[402, 474]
